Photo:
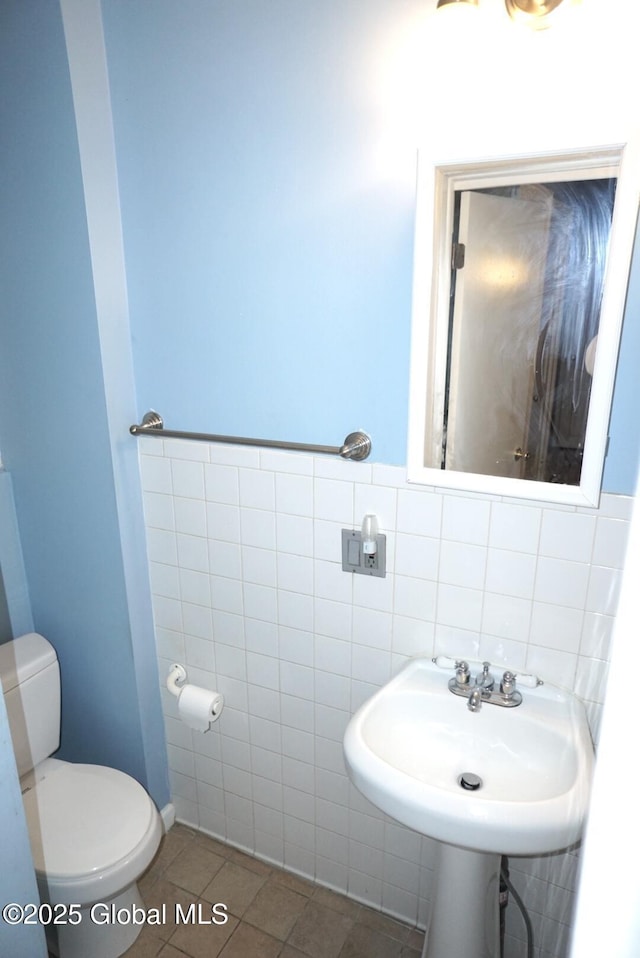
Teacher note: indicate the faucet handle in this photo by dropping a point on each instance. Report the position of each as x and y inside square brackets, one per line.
[508, 684]
[462, 674]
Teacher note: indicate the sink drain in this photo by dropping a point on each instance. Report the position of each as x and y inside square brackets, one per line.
[469, 781]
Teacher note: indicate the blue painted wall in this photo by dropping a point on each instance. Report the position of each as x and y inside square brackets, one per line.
[269, 270]
[53, 423]
[12, 563]
[269, 258]
[623, 461]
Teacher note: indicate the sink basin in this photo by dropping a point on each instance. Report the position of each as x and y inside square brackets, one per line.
[408, 745]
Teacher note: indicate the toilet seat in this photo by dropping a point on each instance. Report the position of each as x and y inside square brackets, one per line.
[93, 831]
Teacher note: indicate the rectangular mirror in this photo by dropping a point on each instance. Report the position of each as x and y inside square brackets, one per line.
[520, 276]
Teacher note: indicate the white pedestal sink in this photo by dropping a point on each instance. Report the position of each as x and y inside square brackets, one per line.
[408, 748]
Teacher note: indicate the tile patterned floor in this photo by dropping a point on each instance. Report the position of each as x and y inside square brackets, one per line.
[271, 913]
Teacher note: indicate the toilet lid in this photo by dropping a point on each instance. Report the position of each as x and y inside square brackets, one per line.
[84, 819]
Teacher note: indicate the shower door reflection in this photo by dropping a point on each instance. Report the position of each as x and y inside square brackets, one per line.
[528, 267]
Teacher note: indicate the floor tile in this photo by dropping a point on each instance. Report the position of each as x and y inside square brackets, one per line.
[170, 952]
[320, 932]
[211, 844]
[165, 893]
[272, 913]
[363, 942]
[146, 945]
[276, 909]
[203, 941]
[235, 886]
[250, 942]
[415, 940]
[339, 903]
[384, 924]
[408, 952]
[247, 861]
[301, 885]
[193, 868]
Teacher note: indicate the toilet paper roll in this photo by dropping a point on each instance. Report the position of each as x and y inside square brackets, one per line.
[199, 707]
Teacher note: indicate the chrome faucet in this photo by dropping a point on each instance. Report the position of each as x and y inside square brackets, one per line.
[484, 688]
[474, 702]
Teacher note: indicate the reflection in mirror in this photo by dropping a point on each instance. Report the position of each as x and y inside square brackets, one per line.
[528, 266]
[520, 274]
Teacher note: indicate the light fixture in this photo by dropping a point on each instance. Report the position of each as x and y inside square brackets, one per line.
[536, 13]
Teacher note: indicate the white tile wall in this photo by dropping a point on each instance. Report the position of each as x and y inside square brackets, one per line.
[245, 564]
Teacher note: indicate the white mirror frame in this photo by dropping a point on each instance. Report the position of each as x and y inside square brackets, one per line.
[437, 181]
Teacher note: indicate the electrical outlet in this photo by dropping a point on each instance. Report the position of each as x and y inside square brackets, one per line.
[355, 560]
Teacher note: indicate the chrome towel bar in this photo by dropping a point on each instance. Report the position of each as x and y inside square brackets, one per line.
[356, 446]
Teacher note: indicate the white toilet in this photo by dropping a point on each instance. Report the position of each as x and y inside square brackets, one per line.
[93, 829]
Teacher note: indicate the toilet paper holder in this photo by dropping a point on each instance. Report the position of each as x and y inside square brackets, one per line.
[176, 678]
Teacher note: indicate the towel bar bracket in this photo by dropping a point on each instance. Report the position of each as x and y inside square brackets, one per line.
[356, 446]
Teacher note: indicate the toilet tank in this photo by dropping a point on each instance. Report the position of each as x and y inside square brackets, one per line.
[30, 678]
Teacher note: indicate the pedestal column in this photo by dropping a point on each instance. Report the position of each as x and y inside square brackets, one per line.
[465, 916]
